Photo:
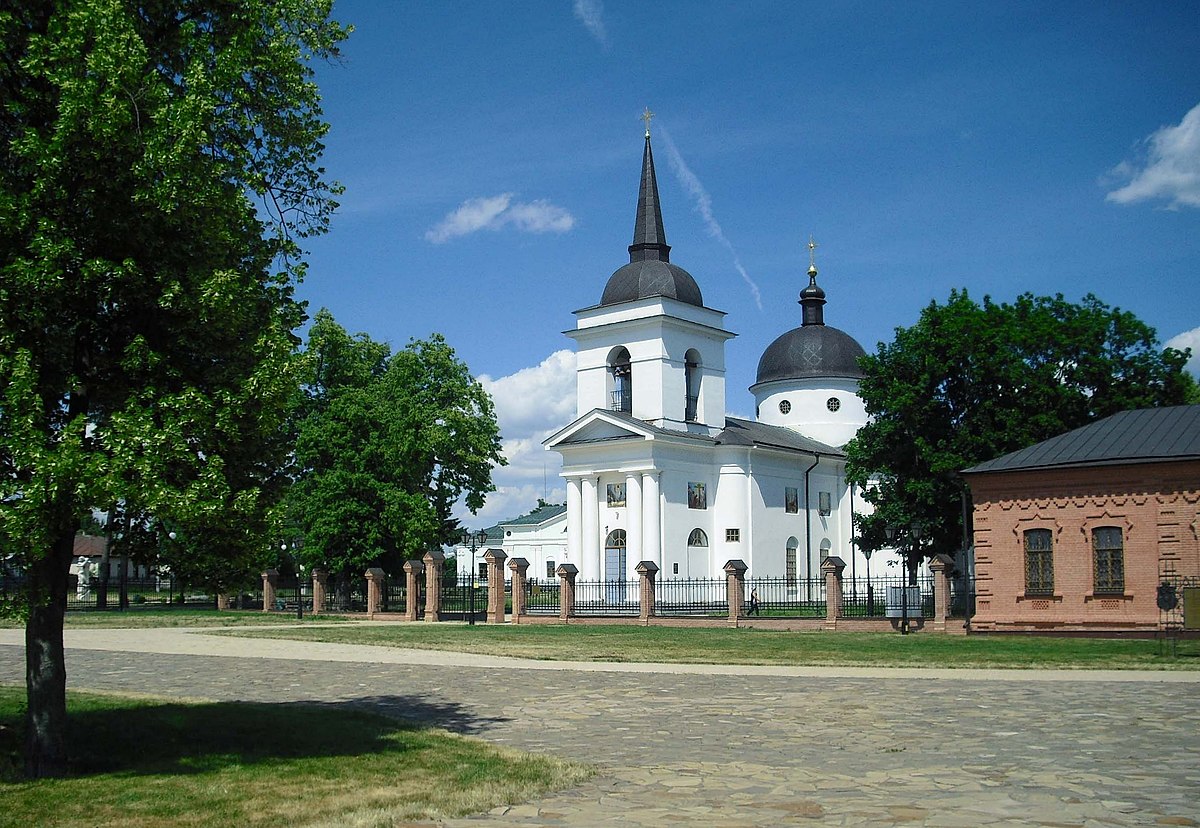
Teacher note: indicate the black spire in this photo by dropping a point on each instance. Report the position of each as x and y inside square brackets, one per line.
[649, 238]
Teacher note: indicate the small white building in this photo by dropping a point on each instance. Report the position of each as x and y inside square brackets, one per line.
[656, 470]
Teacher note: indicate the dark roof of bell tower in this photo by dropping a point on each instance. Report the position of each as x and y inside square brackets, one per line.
[650, 272]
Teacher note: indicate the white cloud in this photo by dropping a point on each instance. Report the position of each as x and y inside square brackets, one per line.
[591, 14]
[1170, 170]
[702, 202]
[495, 212]
[530, 405]
[539, 217]
[1188, 339]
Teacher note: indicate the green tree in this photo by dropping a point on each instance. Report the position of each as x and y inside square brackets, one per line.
[387, 445]
[159, 167]
[971, 382]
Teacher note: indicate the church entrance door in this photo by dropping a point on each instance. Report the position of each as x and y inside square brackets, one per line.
[614, 567]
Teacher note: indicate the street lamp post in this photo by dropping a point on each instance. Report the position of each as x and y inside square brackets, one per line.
[473, 541]
[914, 535]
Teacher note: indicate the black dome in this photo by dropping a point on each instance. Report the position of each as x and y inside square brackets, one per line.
[811, 351]
[651, 277]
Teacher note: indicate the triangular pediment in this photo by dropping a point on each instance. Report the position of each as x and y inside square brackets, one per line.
[599, 426]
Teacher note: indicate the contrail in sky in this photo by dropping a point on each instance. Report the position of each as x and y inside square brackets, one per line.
[703, 205]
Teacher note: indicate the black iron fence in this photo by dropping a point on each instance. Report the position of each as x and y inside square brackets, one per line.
[461, 600]
[691, 596]
[785, 597]
[150, 591]
[884, 597]
[542, 597]
[607, 598]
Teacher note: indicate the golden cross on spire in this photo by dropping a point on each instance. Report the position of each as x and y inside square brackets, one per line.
[812, 256]
[646, 116]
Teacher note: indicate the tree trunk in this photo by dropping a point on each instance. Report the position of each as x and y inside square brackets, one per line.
[45, 663]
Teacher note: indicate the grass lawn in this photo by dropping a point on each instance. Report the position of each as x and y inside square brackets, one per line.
[182, 617]
[150, 763]
[750, 646]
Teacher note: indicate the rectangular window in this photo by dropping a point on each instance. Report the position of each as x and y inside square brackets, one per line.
[733, 535]
[616, 495]
[791, 500]
[675, 569]
[550, 567]
[1039, 562]
[483, 572]
[825, 503]
[1108, 547]
[696, 496]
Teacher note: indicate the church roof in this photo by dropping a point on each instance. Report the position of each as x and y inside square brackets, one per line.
[541, 514]
[748, 432]
[1145, 435]
[737, 432]
[814, 349]
[811, 351]
[650, 272]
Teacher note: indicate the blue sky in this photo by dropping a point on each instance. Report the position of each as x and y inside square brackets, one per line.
[491, 151]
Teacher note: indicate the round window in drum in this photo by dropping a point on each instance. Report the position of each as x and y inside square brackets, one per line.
[785, 407]
[833, 403]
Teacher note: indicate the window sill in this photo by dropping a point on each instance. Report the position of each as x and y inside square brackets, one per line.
[1108, 596]
[1035, 596]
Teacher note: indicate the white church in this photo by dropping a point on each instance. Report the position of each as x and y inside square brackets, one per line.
[656, 470]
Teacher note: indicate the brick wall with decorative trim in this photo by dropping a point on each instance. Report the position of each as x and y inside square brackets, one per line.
[1156, 507]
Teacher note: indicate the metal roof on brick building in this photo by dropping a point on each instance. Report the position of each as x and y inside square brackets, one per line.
[1146, 435]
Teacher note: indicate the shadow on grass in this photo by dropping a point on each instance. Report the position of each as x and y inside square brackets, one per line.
[113, 735]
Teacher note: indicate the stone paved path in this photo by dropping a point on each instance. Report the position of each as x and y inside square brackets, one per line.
[733, 746]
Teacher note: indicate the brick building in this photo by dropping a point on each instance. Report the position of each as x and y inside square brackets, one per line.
[1078, 532]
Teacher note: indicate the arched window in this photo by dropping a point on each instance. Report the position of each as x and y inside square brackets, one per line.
[1039, 562]
[825, 547]
[691, 377]
[620, 381]
[614, 567]
[1108, 548]
[790, 564]
[697, 538]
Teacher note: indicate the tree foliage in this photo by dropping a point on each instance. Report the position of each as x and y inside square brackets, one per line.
[159, 164]
[387, 444]
[972, 382]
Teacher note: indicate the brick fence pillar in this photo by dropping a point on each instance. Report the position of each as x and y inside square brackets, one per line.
[375, 581]
[222, 600]
[566, 591]
[320, 588]
[832, 569]
[735, 586]
[649, 571]
[270, 581]
[495, 568]
[433, 584]
[940, 566]
[519, 567]
[412, 571]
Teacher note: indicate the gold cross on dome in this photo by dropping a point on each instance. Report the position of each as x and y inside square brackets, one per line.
[646, 116]
[812, 256]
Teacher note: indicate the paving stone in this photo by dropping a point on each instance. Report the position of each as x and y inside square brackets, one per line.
[698, 746]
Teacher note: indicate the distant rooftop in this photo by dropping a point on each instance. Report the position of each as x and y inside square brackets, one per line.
[539, 515]
[1147, 435]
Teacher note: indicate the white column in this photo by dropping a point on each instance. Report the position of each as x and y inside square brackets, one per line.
[633, 534]
[651, 519]
[574, 520]
[589, 552]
